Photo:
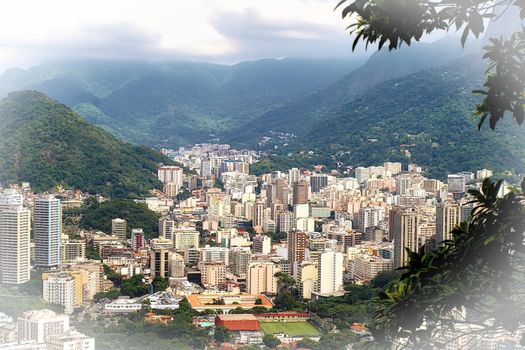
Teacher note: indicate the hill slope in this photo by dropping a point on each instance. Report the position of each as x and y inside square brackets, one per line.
[303, 112]
[424, 118]
[174, 103]
[47, 144]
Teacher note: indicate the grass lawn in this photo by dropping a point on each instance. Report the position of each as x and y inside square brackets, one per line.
[290, 328]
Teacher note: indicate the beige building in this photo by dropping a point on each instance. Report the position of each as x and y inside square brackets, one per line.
[307, 279]
[213, 273]
[366, 267]
[71, 250]
[119, 228]
[448, 215]
[186, 237]
[261, 278]
[159, 263]
[404, 229]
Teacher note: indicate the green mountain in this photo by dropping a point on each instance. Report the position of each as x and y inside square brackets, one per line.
[47, 144]
[175, 103]
[303, 112]
[425, 118]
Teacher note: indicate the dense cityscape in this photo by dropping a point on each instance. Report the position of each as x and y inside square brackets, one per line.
[245, 260]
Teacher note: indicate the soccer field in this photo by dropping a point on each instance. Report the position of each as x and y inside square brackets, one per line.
[290, 328]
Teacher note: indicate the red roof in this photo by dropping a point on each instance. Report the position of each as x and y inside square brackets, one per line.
[284, 314]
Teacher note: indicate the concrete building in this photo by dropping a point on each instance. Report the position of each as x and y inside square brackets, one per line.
[159, 263]
[187, 237]
[15, 233]
[119, 228]
[261, 278]
[307, 279]
[40, 325]
[213, 273]
[404, 229]
[297, 242]
[448, 215]
[262, 244]
[211, 254]
[71, 340]
[171, 174]
[366, 267]
[239, 261]
[330, 273]
[47, 231]
[60, 288]
[71, 250]
[300, 193]
[137, 239]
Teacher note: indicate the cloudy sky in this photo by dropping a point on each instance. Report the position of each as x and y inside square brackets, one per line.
[225, 31]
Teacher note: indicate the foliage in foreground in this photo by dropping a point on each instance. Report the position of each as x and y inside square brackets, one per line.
[475, 279]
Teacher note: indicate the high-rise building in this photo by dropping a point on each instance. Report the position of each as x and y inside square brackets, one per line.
[294, 175]
[404, 229]
[262, 244]
[171, 174]
[71, 250]
[456, 183]
[281, 191]
[448, 215]
[330, 273]
[159, 263]
[213, 273]
[366, 267]
[307, 277]
[119, 228]
[286, 222]
[300, 193]
[362, 174]
[137, 239]
[186, 237]
[318, 182]
[60, 288]
[40, 325]
[15, 233]
[392, 169]
[47, 231]
[297, 242]
[176, 265]
[261, 277]
[166, 227]
[239, 261]
[258, 213]
[210, 254]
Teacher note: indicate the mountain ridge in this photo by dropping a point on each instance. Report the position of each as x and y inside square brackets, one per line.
[47, 144]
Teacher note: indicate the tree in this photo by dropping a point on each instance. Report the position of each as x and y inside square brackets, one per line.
[398, 22]
[271, 341]
[475, 272]
[159, 284]
[222, 335]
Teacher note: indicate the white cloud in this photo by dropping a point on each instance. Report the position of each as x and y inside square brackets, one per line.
[217, 30]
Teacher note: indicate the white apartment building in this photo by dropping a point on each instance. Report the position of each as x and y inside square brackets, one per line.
[261, 278]
[330, 269]
[47, 231]
[60, 288]
[15, 233]
[40, 325]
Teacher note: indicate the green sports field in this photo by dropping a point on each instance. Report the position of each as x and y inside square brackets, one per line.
[290, 328]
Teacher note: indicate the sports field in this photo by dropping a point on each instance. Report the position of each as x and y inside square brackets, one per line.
[290, 328]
